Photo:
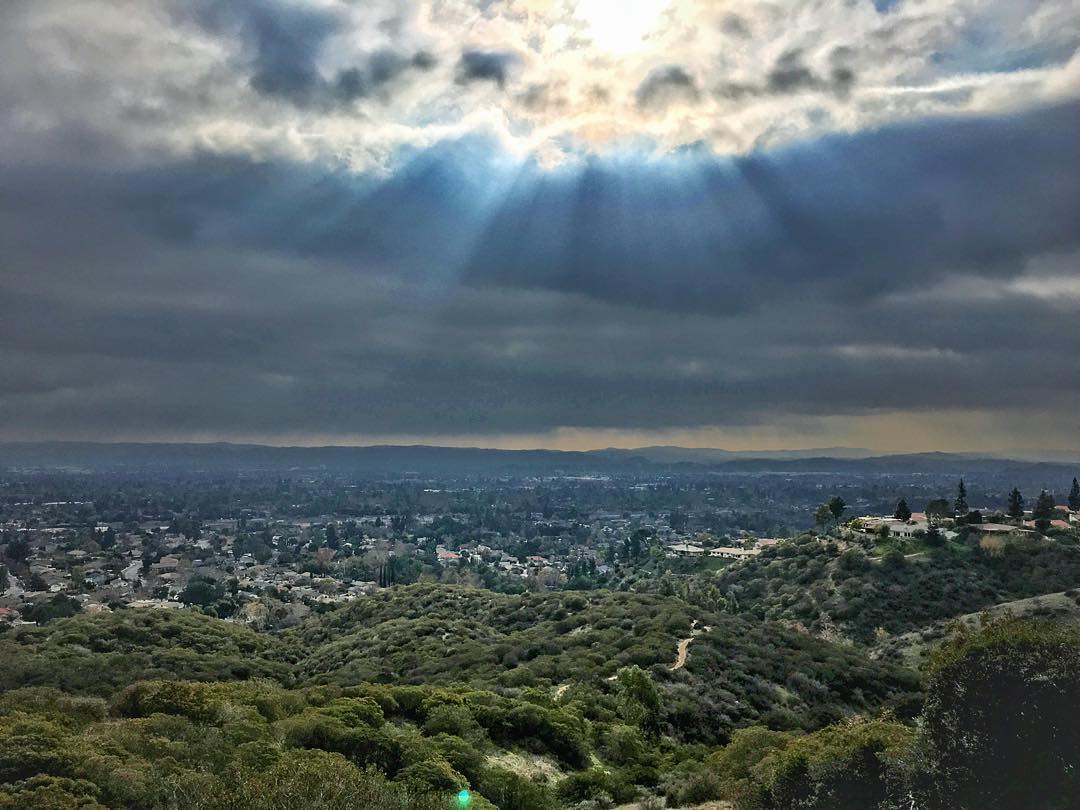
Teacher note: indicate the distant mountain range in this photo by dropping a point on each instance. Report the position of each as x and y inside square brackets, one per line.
[422, 459]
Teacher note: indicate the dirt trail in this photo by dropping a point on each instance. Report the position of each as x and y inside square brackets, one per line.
[683, 648]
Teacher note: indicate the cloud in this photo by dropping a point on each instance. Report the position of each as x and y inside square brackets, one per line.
[310, 207]
[489, 66]
[472, 293]
[291, 78]
[735, 26]
[283, 44]
[665, 85]
[790, 74]
[544, 96]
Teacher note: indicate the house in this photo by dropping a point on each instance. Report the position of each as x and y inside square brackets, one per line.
[908, 529]
[734, 552]
[1054, 524]
[165, 565]
[997, 528]
[155, 603]
[686, 550]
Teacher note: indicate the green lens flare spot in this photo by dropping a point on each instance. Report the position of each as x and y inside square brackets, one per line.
[464, 798]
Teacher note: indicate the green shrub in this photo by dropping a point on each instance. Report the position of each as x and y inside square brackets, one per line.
[853, 764]
[509, 791]
[196, 701]
[50, 793]
[1002, 717]
[432, 776]
[598, 785]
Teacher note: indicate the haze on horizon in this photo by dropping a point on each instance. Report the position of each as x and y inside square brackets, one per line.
[542, 223]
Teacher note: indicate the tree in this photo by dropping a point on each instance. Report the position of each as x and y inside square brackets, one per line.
[201, 591]
[937, 509]
[3, 579]
[677, 520]
[1044, 506]
[822, 515]
[105, 539]
[1074, 496]
[837, 507]
[960, 505]
[639, 699]
[58, 607]
[1016, 504]
[18, 550]
[934, 537]
[903, 511]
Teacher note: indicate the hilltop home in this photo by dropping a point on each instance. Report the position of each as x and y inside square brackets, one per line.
[734, 552]
[686, 550]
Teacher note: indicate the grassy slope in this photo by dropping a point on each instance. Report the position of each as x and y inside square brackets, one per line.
[913, 649]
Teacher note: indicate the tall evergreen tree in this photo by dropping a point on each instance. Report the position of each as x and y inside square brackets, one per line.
[1016, 504]
[960, 505]
[903, 511]
[1044, 506]
[1074, 496]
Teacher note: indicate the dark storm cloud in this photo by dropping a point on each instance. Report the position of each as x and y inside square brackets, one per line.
[735, 26]
[665, 85]
[855, 216]
[790, 74]
[284, 42]
[489, 66]
[468, 293]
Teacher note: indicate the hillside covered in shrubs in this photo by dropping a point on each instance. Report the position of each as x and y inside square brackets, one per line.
[406, 699]
[850, 593]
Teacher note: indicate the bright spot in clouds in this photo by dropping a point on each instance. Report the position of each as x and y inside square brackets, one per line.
[620, 26]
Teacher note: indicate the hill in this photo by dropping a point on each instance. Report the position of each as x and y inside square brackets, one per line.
[473, 461]
[738, 673]
[915, 649]
[231, 741]
[845, 592]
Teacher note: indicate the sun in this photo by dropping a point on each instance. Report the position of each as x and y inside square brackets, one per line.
[620, 26]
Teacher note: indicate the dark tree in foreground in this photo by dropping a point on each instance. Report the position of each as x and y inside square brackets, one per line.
[837, 507]
[1074, 496]
[903, 511]
[1016, 504]
[1044, 506]
[960, 505]
[1002, 718]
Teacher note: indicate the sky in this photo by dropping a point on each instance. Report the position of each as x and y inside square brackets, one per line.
[542, 223]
